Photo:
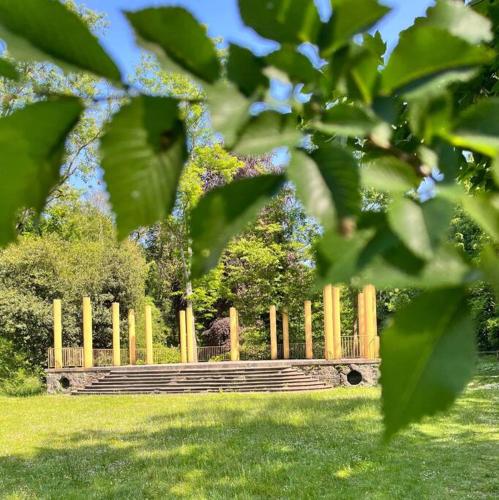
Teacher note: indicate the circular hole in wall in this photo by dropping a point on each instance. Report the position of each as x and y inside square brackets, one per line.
[354, 377]
[65, 383]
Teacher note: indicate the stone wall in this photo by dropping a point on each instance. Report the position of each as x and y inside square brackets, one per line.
[66, 381]
[334, 374]
[344, 374]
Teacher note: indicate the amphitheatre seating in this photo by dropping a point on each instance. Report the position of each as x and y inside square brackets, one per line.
[216, 377]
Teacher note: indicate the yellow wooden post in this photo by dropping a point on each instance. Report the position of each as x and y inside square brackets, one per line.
[116, 334]
[234, 335]
[148, 325]
[370, 327]
[191, 341]
[57, 309]
[328, 322]
[132, 341]
[183, 338]
[285, 334]
[273, 333]
[336, 294]
[375, 325]
[309, 350]
[88, 354]
[361, 322]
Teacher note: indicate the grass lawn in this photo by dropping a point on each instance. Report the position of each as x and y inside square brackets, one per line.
[309, 445]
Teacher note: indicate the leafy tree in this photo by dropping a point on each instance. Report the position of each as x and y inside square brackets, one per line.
[370, 121]
[75, 255]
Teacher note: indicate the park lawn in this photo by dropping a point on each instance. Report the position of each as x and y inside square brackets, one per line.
[308, 445]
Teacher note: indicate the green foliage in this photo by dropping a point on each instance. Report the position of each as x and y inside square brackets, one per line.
[388, 174]
[477, 127]
[143, 152]
[40, 30]
[22, 384]
[286, 22]
[229, 209]
[176, 33]
[75, 255]
[265, 132]
[10, 360]
[16, 376]
[166, 354]
[8, 70]
[349, 18]
[32, 144]
[428, 356]
[245, 70]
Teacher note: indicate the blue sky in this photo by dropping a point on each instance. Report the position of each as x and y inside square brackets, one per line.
[222, 19]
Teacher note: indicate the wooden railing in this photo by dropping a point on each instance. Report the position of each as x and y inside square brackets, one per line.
[72, 357]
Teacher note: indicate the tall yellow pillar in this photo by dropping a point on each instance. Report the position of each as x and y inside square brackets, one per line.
[57, 310]
[148, 326]
[234, 335]
[191, 340]
[132, 341]
[88, 354]
[309, 350]
[328, 322]
[183, 338]
[273, 333]
[336, 294]
[285, 335]
[116, 334]
[370, 320]
[361, 321]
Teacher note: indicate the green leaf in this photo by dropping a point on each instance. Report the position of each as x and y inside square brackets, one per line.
[32, 144]
[229, 110]
[246, 70]
[327, 183]
[459, 20]
[482, 207]
[286, 21]
[337, 257]
[349, 18]
[495, 170]
[477, 128]
[340, 171]
[364, 76]
[174, 32]
[420, 226]
[430, 117]
[8, 70]
[297, 67]
[267, 131]
[349, 120]
[489, 263]
[430, 57]
[143, 152]
[311, 188]
[395, 267]
[428, 357]
[375, 44]
[224, 212]
[45, 30]
[388, 174]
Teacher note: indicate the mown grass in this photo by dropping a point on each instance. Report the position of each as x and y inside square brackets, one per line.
[322, 444]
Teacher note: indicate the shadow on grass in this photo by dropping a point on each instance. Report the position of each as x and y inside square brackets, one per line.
[303, 446]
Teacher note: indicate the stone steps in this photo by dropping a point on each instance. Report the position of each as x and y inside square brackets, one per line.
[151, 380]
